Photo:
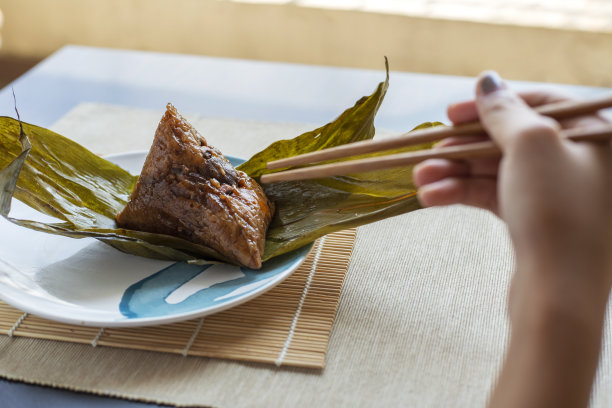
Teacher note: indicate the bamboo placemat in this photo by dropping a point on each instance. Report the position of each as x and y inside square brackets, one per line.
[289, 325]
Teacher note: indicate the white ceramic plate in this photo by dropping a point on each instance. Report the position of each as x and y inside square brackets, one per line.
[86, 282]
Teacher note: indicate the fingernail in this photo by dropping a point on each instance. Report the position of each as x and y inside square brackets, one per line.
[491, 82]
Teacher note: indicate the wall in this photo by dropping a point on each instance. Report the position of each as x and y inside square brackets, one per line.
[35, 28]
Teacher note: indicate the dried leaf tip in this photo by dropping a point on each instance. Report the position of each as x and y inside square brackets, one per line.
[21, 132]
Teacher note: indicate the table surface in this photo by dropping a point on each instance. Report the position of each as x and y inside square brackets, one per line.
[215, 87]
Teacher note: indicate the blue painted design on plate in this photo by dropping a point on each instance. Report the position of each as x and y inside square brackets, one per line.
[149, 297]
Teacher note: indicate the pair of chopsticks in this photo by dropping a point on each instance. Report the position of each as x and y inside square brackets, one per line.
[560, 110]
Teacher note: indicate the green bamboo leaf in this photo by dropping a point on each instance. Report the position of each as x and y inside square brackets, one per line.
[10, 174]
[61, 178]
[353, 125]
[307, 210]
[84, 192]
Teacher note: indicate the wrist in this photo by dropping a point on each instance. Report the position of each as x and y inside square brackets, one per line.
[553, 351]
[574, 273]
[573, 292]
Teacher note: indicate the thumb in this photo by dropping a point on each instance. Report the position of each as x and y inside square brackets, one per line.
[506, 117]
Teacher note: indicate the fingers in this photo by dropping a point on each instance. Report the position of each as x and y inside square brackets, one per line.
[585, 121]
[466, 111]
[544, 96]
[445, 182]
[477, 192]
[509, 121]
[459, 140]
[434, 170]
[462, 112]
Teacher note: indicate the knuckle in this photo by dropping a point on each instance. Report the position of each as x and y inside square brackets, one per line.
[499, 104]
[542, 130]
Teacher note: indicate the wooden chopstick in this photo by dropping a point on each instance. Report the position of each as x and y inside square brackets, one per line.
[560, 110]
[467, 151]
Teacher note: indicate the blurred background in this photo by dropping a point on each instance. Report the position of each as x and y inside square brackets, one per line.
[564, 41]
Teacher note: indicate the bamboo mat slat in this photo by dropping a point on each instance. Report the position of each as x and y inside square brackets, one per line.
[289, 325]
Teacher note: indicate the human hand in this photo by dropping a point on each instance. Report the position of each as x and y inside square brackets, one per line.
[556, 197]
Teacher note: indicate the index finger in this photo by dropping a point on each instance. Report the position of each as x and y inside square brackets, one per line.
[508, 120]
[465, 111]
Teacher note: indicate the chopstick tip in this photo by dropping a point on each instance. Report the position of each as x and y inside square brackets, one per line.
[273, 165]
[264, 179]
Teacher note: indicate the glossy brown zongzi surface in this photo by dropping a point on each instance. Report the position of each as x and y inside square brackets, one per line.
[188, 189]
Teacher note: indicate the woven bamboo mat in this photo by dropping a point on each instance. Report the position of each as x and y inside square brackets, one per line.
[289, 325]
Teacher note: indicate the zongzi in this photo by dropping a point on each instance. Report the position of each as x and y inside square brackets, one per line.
[190, 190]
